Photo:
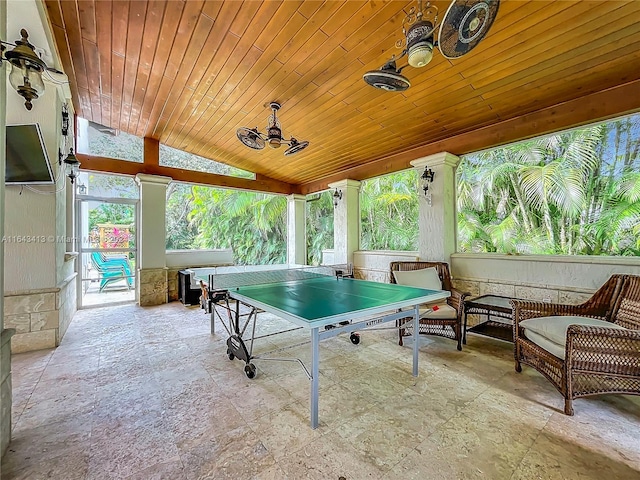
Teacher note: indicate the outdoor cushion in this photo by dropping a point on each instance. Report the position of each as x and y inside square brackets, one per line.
[555, 328]
[444, 311]
[426, 278]
[546, 344]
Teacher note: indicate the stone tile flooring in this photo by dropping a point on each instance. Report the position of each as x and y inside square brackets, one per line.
[148, 393]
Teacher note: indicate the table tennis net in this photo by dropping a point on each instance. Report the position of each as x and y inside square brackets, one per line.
[227, 281]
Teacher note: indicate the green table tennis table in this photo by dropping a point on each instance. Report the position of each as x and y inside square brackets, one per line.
[312, 298]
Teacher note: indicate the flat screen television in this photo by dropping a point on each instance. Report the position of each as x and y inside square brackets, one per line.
[27, 159]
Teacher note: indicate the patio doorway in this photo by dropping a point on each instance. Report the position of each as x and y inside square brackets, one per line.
[107, 250]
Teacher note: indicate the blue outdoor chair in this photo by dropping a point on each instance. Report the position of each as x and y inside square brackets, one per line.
[111, 270]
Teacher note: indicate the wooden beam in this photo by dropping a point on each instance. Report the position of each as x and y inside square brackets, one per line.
[123, 167]
[596, 107]
[151, 151]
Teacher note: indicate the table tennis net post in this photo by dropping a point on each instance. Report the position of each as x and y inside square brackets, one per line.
[227, 281]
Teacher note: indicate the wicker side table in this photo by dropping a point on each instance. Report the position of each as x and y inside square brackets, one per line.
[499, 323]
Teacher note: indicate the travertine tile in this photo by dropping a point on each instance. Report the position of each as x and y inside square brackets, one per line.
[147, 393]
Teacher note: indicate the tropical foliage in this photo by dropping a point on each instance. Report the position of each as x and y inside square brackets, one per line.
[253, 225]
[389, 212]
[319, 220]
[572, 193]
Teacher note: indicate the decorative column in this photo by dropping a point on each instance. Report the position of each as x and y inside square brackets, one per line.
[437, 213]
[346, 220]
[296, 230]
[152, 269]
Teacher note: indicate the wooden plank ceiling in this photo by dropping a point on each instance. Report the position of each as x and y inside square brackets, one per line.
[189, 73]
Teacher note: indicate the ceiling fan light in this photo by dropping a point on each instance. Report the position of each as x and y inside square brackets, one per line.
[275, 142]
[421, 53]
[274, 137]
[252, 138]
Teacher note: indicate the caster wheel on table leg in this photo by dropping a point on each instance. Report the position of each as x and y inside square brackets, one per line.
[355, 338]
[250, 370]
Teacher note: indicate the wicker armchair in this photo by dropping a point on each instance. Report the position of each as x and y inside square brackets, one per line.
[444, 327]
[597, 359]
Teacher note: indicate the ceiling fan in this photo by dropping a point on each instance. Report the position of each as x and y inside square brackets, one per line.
[252, 138]
[465, 24]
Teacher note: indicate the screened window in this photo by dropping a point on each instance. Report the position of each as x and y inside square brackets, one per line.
[575, 192]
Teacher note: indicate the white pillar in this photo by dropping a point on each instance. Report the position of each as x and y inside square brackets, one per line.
[346, 221]
[437, 219]
[296, 230]
[152, 271]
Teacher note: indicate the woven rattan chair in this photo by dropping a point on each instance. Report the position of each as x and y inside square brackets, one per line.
[444, 327]
[597, 359]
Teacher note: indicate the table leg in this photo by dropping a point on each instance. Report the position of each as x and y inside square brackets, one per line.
[416, 338]
[315, 372]
[464, 326]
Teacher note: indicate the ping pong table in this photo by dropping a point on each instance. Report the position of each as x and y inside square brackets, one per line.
[315, 299]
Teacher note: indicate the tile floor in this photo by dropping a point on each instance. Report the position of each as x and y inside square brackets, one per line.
[148, 393]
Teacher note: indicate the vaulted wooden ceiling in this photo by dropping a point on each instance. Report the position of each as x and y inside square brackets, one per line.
[189, 73]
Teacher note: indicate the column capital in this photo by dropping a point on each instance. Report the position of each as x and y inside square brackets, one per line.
[346, 183]
[158, 179]
[437, 159]
[296, 197]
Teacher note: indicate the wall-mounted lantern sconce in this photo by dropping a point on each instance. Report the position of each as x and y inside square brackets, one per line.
[427, 178]
[81, 188]
[337, 196]
[72, 166]
[65, 120]
[26, 69]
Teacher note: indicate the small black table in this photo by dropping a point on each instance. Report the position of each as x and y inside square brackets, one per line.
[492, 306]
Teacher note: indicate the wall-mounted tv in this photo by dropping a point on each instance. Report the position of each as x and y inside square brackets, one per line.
[27, 159]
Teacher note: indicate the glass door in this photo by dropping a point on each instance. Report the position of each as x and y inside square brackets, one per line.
[107, 250]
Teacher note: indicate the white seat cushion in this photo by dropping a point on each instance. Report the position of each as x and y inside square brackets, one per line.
[550, 333]
[425, 278]
[444, 311]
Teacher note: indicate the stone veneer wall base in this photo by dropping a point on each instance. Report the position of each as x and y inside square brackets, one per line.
[40, 317]
[153, 286]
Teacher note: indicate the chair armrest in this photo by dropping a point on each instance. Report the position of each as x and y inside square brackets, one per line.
[456, 300]
[105, 267]
[523, 310]
[603, 349]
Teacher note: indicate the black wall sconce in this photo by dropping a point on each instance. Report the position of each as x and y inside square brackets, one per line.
[71, 166]
[65, 120]
[337, 196]
[427, 178]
